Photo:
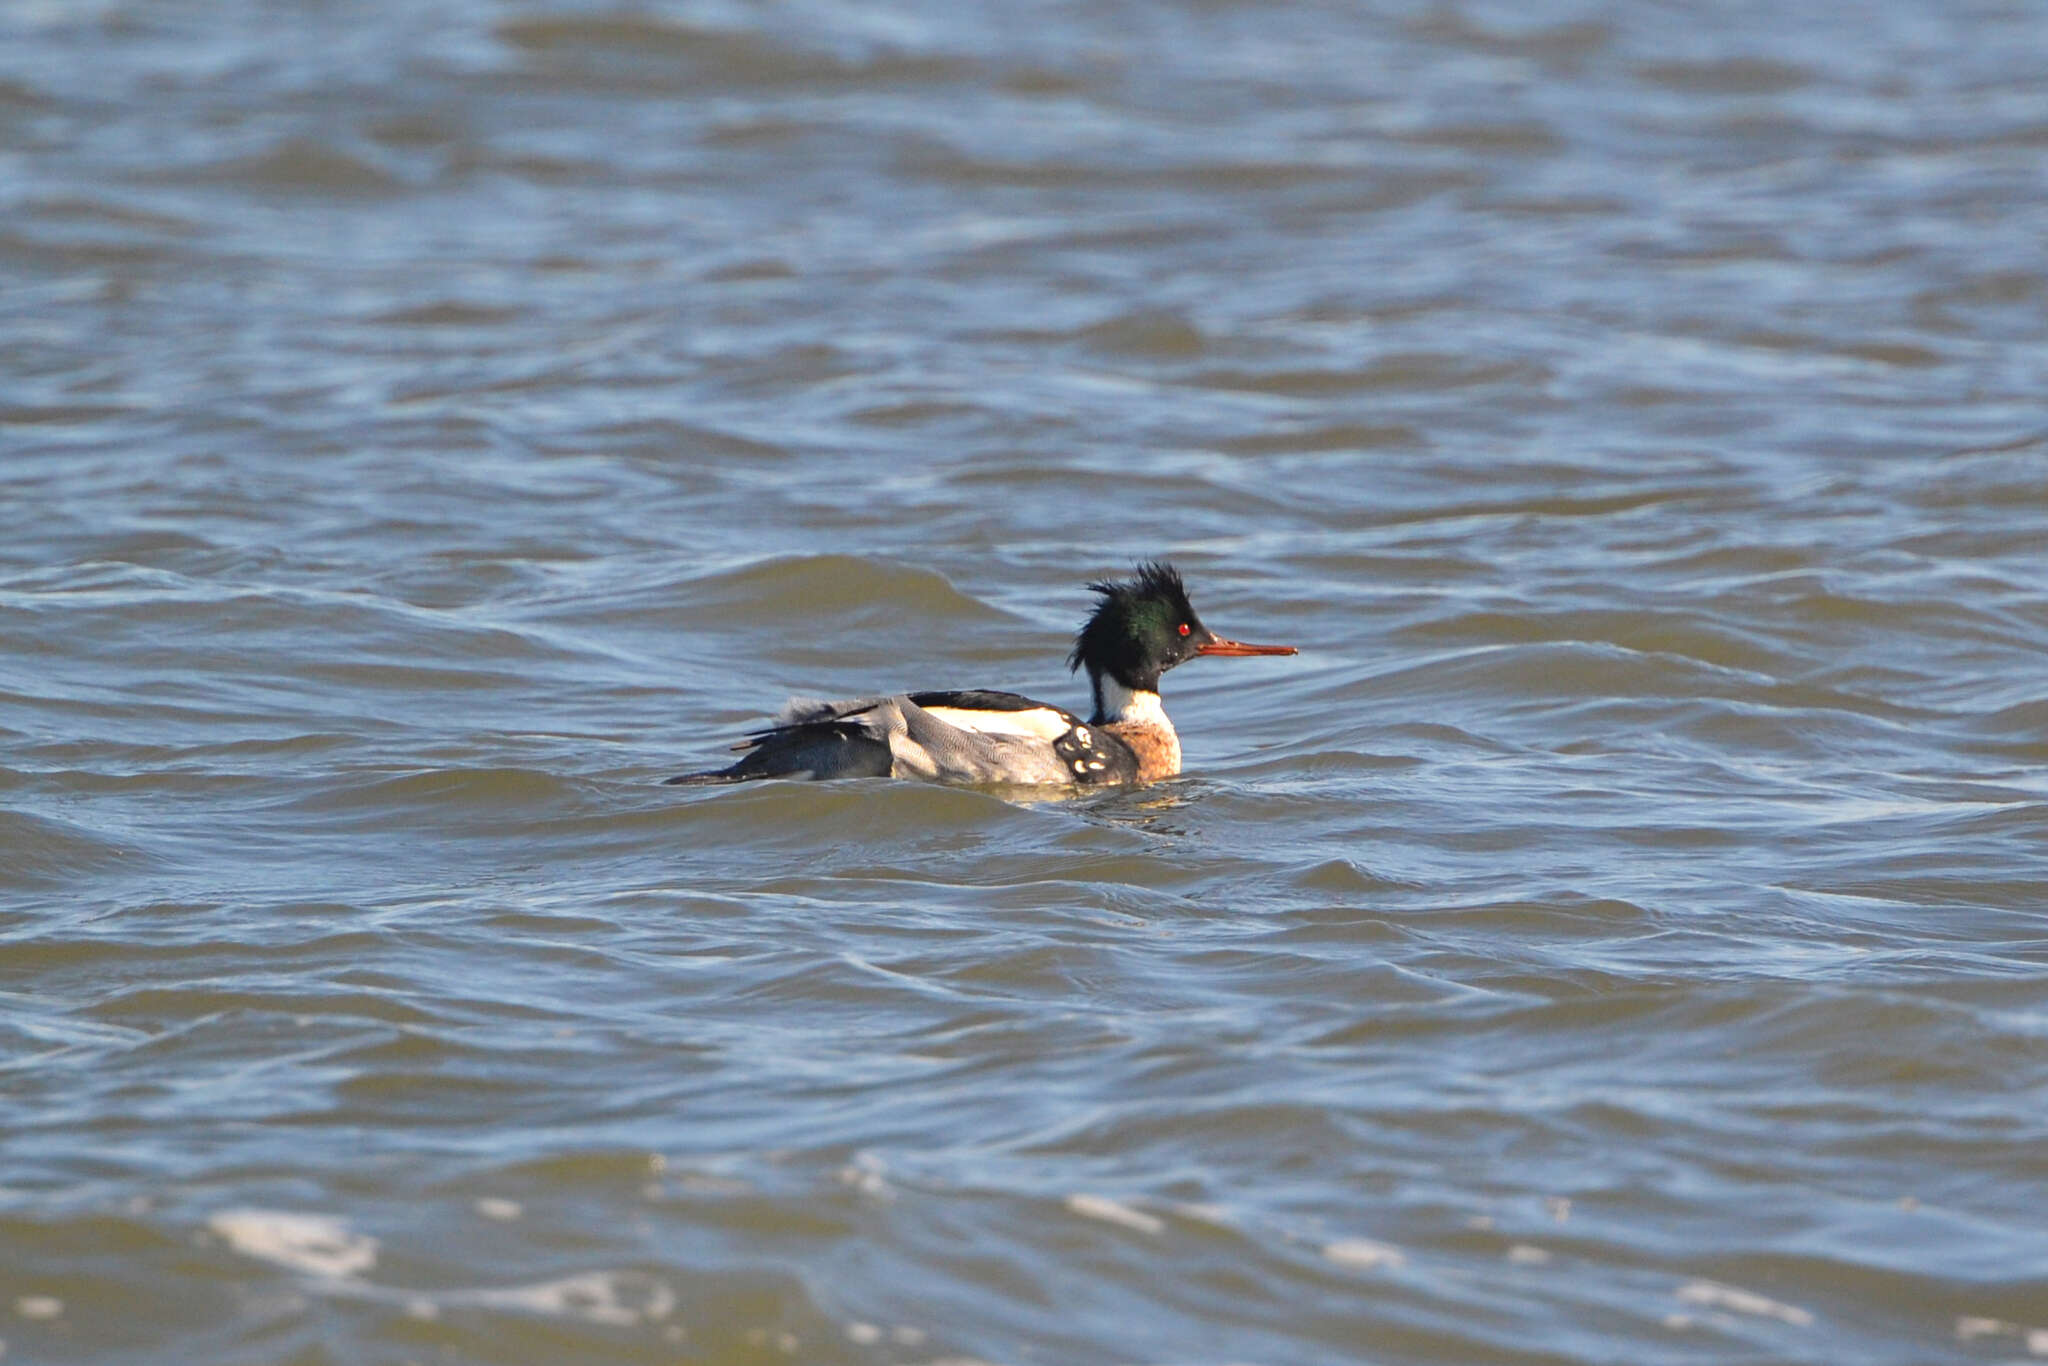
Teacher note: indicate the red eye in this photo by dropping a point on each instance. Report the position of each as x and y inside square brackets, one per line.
[1183, 628]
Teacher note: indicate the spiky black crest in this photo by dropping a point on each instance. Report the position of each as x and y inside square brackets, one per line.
[1136, 631]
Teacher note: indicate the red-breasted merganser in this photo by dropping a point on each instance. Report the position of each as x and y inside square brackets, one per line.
[1139, 630]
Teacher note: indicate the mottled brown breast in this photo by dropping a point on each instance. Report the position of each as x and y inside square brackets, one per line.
[1157, 747]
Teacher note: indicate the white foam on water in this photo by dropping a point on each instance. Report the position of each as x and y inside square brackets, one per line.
[1364, 1254]
[1714, 1295]
[592, 1297]
[1969, 1327]
[315, 1244]
[1525, 1254]
[39, 1306]
[1115, 1212]
[493, 1207]
[866, 1175]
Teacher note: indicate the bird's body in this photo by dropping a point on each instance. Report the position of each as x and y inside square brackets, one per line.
[1138, 631]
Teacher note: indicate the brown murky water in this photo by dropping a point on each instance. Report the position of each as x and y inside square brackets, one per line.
[1619, 937]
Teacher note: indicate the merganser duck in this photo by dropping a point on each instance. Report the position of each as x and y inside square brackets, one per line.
[1139, 630]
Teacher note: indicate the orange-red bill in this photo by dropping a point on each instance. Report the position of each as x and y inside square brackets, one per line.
[1220, 646]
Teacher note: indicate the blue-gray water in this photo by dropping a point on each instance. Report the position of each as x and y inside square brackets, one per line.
[1617, 938]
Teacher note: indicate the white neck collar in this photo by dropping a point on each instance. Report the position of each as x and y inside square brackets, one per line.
[1115, 702]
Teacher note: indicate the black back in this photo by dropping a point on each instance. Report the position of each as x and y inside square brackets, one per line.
[982, 699]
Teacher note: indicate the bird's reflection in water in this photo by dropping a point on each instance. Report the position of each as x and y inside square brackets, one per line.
[1150, 810]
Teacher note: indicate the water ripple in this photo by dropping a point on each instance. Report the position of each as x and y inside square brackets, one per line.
[1615, 937]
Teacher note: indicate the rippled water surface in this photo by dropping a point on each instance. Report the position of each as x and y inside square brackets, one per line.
[1618, 937]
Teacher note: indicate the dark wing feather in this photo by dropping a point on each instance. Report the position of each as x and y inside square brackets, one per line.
[1099, 759]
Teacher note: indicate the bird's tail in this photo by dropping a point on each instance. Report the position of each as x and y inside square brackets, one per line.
[808, 749]
[710, 778]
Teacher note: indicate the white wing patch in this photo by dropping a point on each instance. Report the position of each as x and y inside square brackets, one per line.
[1041, 723]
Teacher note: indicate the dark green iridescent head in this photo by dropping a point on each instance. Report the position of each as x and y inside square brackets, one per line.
[1140, 629]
